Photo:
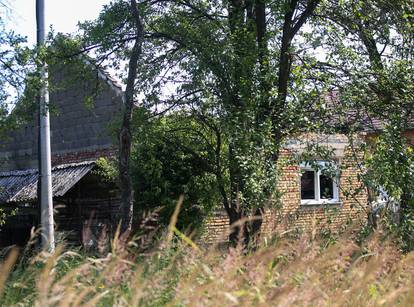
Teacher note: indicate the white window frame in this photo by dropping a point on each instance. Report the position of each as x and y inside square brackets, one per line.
[317, 172]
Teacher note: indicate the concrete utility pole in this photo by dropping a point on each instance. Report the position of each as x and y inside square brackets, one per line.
[45, 168]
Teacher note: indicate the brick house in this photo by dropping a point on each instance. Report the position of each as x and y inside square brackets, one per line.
[309, 198]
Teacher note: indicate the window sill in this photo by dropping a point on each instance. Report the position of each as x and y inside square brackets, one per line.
[320, 202]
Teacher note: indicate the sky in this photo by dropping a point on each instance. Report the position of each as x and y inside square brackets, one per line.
[62, 14]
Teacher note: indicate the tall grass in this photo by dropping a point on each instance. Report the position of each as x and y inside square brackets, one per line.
[303, 271]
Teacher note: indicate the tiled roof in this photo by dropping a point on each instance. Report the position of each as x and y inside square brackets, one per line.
[360, 118]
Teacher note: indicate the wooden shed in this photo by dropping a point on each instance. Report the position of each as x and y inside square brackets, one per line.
[85, 203]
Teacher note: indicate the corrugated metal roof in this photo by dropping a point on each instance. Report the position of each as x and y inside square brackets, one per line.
[21, 186]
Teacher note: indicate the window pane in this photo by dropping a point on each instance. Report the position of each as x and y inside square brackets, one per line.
[308, 185]
[326, 186]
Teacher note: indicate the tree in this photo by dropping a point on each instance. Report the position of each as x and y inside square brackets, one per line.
[16, 61]
[231, 62]
[248, 72]
[228, 64]
[119, 25]
[125, 131]
[371, 43]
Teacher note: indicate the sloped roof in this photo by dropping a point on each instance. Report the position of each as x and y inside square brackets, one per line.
[360, 117]
[21, 186]
[105, 76]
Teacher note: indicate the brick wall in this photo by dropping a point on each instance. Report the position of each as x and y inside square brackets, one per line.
[216, 227]
[410, 136]
[86, 155]
[291, 215]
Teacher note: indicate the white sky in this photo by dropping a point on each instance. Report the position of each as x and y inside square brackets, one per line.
[62, 14]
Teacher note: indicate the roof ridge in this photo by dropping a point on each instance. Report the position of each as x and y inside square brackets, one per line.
[29, 171]
[105, 75]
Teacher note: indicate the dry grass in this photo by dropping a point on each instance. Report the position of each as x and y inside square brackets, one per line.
[297, 272]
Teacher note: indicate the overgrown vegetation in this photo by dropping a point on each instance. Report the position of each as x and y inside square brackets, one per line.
[234, 80]
[390, 165]
[248, 75]
[170, 157]
[224, 85]
[305, 270]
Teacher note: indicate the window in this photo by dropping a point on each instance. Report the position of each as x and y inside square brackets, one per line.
[318, 185]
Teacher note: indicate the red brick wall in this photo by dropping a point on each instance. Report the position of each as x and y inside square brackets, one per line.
[410, 136]
[80, 156]
[292, 215]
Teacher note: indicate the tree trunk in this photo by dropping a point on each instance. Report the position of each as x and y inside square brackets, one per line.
[243, 226]
[247, 21]
[256, 226]
[127, 197]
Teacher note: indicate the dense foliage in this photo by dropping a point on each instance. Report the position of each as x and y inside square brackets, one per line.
[16, 60]
[223, 84]
[226, 66]
[169, 159]
[369, 46]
